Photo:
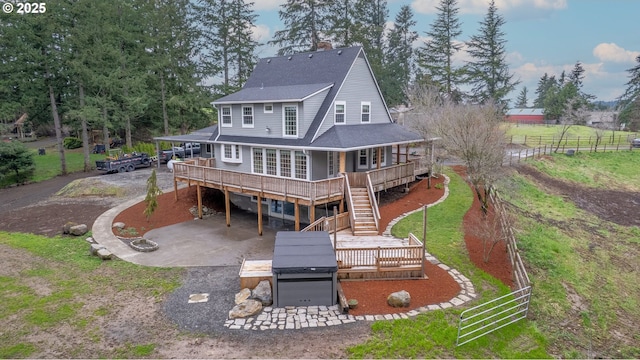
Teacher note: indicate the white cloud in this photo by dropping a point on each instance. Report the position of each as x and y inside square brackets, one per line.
[261, 33]
[481, 6]
[614, 53]
[267, 4]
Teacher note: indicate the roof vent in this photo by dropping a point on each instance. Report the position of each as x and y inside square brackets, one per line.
[268, 61]
[339, 52]
[310, 56]
[289, 58]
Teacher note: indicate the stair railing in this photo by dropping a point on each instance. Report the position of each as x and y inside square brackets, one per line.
[347, 190]
[373, 202]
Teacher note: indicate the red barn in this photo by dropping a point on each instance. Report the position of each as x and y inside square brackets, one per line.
[525, 116]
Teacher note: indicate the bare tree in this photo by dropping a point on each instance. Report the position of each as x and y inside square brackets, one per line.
[575, 113]
[473, 133]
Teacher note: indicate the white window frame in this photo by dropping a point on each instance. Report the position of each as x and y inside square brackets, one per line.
[291, 163]
[236, 153]
[222, 116]
[268, 111]
[362, 113]
[331, 164]
[284, 123]
[360, 166]
[253, 161]
[209, 148]
[383, 156]
[344, 112]
[245, 117]
[295, 154]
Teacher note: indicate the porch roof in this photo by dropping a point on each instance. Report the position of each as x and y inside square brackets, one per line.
[268, 94]
[206, 135]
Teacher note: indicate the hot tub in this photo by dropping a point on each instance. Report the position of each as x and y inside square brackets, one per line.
[304, 269]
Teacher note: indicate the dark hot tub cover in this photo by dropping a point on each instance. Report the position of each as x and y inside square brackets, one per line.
[303, 253]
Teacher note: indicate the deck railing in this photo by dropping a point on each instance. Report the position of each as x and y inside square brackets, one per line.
[378, 258]
[328, 224]
[317, 191]
[349, 200]
[391, 176]
[373, 202]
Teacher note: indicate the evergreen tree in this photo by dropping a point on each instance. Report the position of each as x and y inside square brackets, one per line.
[17, 159]
[371, 19]
[304, 22]
[436, 56]
[341, 21]
[629, 101]
[488, 72]
[545, 84]
[576, 77]
[153, 190]
[399, 57]
[522, 100]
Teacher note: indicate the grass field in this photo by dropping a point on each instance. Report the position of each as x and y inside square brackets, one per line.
[537, 135]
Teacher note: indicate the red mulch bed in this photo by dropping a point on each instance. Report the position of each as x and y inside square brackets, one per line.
[371, 295]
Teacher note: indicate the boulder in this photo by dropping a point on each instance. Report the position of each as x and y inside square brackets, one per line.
[399, 299]
[66, 228]
[93, 249]
[118, 225]
[78, 230]
[262, 293]
[243, 295]
[246, 308]
[104, 254]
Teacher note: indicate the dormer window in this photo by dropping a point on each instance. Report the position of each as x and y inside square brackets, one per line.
[365, 111]
[225, 116]
[247, 116]
[340, 112]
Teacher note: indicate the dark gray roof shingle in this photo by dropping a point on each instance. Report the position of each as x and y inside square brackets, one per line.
[273, 94]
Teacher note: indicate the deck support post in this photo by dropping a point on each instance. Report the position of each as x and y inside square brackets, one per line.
[398, 154]
[199, 191]
[296, 210]
[260, 214]
[175, 188]
[379, 152]
[343, 162]
[341, 206]
[227, 207]
[312, 212]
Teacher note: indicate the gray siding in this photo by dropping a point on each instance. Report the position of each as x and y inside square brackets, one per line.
[244, 166]
[358, 86]
[318, 165]
[306, 113]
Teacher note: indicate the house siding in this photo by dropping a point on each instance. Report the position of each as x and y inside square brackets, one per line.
[358, 86]
[310, 110]
[319, 168]
[262, 120]
[244, 166]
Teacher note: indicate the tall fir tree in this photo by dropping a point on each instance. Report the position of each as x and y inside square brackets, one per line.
[545, 84]
[435, 58]
[522, 100]
[399, 57]
[629, 101]
[488, 72]
[341, 21]
[304, 22]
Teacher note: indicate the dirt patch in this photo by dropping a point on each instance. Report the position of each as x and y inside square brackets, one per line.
[619, 207]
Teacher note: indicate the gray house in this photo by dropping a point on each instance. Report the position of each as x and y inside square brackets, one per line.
[306, 131]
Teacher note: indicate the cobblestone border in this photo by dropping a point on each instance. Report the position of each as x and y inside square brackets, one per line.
[293, 318]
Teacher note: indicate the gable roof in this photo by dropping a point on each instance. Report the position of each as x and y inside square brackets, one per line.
[352, 137]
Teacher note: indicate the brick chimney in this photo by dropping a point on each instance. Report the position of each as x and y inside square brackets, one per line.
[324, 45]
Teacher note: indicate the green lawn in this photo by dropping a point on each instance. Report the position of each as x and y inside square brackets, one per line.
[537, 135]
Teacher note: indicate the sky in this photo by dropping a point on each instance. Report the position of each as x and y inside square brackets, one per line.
[543, 36]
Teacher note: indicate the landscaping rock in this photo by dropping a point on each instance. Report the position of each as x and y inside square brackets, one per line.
[93, 249]
[246, 308]
[262, 293]
[243, 295]
[78, 230]
[66, 228]
[399, 299]
[118, 225]
[104, 254]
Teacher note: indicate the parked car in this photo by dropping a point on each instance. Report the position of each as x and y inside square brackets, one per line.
[166, 155]
[191, 148]
[635, 143]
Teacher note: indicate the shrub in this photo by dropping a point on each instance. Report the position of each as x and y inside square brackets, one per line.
[72, 143]
[16, 159]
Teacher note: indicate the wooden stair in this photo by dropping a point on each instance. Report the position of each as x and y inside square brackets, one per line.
[364, 224]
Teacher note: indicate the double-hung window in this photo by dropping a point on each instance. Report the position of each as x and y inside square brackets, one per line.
[272, 162]
[257, 161]
[365, 111]
[285, 163]
[363, 159]
[290, 120]
[340, 111]
[231, 153]
[301, 165]
[225, 116]
[247, 116]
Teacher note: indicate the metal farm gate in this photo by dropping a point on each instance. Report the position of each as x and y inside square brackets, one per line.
[493, 315]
